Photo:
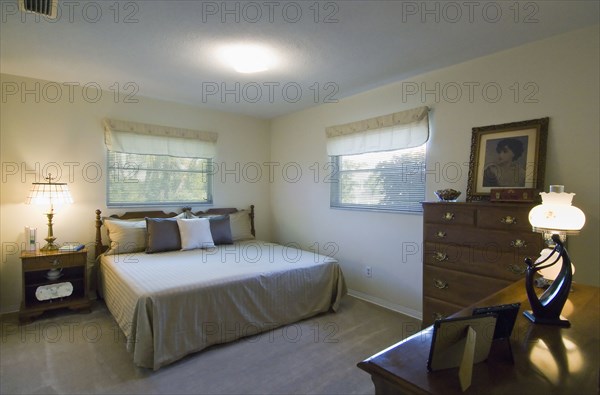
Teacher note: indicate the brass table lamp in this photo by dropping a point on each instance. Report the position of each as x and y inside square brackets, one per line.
[49, 194]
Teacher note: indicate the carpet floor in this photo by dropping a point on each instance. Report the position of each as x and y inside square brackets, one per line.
[66, 353]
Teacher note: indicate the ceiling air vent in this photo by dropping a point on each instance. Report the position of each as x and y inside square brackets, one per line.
[48, 8]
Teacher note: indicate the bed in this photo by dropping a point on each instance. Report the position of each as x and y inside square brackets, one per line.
[170, 303]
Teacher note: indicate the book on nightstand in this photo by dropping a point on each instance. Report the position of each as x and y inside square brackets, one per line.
[71, 247]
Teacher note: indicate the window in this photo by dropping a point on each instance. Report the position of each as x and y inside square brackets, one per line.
[386, 180]
[141, 179]
[151, 165]
[380, 162]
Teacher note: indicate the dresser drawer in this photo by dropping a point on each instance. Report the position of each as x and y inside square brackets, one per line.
[449, 213]
[507, 264]
[435, 309]
[51, 261]
[451, 234]
[520, 242]
[458, 288]
[510, 218]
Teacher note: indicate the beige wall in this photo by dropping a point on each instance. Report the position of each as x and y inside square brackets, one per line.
[557, 78]
[69, 132]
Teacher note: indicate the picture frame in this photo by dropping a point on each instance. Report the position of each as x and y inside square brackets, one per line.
[507, 316]
[450, 338]
[510, 155]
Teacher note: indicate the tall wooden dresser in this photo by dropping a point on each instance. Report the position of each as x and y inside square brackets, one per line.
[471, 250]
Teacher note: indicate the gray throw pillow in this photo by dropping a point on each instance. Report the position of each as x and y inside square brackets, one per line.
[220, 229]
[162, 234]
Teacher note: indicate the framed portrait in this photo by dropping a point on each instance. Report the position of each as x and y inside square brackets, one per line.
[511, 155]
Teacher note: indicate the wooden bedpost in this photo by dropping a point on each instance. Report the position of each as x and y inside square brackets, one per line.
[252, 220]
[98, 249]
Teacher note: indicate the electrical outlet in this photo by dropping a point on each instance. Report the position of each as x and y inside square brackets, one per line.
[368, 271]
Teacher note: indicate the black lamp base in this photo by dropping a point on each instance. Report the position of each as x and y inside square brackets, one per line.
[560, 321]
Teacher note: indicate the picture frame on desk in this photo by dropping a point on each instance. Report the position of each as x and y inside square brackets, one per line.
[461, 342]
[507, 315]
[511, 155]
[450, 337]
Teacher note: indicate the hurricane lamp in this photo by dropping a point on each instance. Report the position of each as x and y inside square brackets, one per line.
[555, 218]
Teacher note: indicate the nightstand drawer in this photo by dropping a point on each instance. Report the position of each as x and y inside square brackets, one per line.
[51, 261]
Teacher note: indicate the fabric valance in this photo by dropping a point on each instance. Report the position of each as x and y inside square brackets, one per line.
[400, 130]
[141, 138]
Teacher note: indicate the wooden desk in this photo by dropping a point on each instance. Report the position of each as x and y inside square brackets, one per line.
[547, 359]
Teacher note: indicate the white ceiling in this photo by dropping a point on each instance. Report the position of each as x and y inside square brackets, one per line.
[166, 48]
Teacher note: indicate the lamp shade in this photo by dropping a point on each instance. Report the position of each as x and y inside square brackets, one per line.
[49, 194]
[556, 214]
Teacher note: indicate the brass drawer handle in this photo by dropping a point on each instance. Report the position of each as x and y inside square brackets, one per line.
[508, 220]
[437, 316]
[440, 284]
[516, 269]
[518, 243]
[440, 256]
[440, 234]
[448, 216]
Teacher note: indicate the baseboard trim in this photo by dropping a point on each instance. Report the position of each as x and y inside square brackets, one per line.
[9, 317]
[10, 310]
[386, 304]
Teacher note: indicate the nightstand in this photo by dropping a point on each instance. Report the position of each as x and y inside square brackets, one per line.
[43, 291]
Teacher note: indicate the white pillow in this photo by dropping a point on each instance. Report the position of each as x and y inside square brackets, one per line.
[241, 229]
[195, 233]
[125, 236]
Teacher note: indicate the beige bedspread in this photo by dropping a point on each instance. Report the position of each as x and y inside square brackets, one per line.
[171, 304]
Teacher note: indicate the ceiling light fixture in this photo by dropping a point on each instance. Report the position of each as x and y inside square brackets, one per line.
[247, 58]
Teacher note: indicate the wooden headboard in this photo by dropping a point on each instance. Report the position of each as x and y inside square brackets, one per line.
[100, 248]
